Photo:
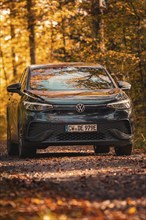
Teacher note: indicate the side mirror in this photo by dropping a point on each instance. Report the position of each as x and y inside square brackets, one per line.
[15, 88]
[124, 85]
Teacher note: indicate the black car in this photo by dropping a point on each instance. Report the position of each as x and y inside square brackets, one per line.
[68, 104]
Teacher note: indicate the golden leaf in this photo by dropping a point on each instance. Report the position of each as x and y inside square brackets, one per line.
[132, 210]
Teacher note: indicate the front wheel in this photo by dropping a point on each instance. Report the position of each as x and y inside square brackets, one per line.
[121, 151]
[100, 149]
[24, 149]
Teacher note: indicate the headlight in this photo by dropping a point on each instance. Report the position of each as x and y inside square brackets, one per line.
[125, 104]
[34, 106]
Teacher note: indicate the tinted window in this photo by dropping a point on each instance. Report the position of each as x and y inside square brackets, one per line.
[70, 78]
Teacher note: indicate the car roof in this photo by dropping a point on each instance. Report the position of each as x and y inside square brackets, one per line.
[75, 64]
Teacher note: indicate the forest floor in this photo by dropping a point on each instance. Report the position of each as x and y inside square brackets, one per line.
[65, 183]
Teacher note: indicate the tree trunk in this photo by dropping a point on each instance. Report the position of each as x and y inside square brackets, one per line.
[12, 33]
[95, 13]
[139, 44]
[101, 27]
[102, 40]
[124, 36]
[140, 50]
[31, 30]
[13, 49]
[51, 42]
[63, 36]
[3, 65]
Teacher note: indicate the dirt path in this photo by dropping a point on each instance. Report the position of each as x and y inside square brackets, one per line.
[72, 183]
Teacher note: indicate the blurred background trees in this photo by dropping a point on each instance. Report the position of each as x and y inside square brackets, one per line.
[110, 32]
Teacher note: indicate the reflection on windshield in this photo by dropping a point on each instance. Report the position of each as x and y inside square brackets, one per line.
[70, 78]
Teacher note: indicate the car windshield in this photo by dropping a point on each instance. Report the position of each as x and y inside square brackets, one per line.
[69, 78]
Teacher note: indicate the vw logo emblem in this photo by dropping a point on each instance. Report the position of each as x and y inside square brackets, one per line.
[80, 108]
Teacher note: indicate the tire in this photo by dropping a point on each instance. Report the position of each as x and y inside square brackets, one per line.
[125, 150]
[24, 149]
[12, 148]
[100, 150]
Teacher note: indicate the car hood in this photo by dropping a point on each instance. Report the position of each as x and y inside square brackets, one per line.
[98, 96]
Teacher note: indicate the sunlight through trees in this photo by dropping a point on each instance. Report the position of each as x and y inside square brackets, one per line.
[109, 32]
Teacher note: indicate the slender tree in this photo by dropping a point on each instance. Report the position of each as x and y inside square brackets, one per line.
[31, 30]
[3, 65]
[102, 7]
[12, 33]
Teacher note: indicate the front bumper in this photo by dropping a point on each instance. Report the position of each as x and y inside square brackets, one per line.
[114, 127]
[108, 133]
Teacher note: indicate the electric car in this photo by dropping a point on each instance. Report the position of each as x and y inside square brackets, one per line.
[68, 104]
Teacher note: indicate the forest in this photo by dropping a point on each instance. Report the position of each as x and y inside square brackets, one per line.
[108, 32]
[66, 183]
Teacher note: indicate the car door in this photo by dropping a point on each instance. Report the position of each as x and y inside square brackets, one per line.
[14, 101]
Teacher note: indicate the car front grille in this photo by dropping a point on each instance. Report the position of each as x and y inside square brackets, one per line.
[81, 136]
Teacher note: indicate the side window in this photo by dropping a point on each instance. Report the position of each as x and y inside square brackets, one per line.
[22, 76]
[23, 79]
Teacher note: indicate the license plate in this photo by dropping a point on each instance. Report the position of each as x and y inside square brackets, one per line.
[81, 128]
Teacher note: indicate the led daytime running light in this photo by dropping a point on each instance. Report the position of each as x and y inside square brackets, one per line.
[34, 106]
[125, 104]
